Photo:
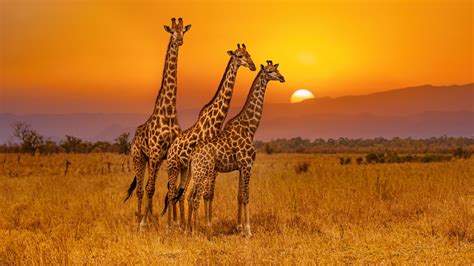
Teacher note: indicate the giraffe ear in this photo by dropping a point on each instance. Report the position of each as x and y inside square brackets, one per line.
[276, 65]
[188, 27]
[231, 53]
[167, 29]
[261, 66]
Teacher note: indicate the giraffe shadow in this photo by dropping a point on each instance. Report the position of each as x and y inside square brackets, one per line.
[261, 222]
[224, 227]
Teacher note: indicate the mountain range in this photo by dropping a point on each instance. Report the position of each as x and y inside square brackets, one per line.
[418, 112]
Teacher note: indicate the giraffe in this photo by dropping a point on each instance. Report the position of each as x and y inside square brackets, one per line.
[231, 150]
[154, 137]
[209, 124]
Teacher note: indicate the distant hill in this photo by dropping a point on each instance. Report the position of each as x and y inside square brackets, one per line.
[419, 112]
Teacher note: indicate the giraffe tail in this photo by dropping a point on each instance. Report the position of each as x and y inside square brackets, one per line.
[132, 187]
[166, 201]
[181, 190]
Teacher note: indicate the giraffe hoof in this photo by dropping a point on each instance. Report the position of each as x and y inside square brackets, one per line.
[246, 232]
[143, 226]
[239, 228]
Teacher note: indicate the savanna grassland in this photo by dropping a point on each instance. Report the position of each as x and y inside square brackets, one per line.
[408, 212]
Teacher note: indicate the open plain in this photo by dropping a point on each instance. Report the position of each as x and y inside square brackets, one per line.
[407, 212]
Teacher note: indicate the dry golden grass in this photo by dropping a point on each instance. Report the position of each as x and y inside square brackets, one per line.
[356, 213]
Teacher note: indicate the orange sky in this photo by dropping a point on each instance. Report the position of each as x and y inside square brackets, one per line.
[107, 56]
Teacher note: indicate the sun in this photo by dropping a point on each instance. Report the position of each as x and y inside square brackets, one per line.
[301, 95]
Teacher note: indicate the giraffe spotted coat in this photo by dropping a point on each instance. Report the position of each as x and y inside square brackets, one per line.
[152, 139]
[209, 124]
[232, 150]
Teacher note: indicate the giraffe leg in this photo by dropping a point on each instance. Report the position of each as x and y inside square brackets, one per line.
[239, 205]
[175, 214]
[245, 200]
[150, 191]
[193, 207]
[181, 212]
[208, 199]
[212, 187]
[172, 177]
[189, 228]
[139, 164]
[191, 204]
[184, 177]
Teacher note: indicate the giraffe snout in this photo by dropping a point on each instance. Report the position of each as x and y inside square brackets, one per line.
[252, 67]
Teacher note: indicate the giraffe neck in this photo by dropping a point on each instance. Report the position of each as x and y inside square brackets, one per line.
[252, 111]
[167, 95]
[219, 104]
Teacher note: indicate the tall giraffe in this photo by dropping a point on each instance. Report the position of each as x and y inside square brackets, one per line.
[232, 150]
[154, 137]
[209, 124]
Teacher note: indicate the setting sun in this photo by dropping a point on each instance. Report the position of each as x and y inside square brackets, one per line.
[301, 95]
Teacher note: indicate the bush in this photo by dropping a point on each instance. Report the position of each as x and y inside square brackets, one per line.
[462, 153]
[342, 161]
[268, 149]
[302, 167]
[348, 160]
[372, 158]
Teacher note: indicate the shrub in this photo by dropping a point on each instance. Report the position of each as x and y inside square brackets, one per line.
[348, 160]
[301, 167]
[268, 149]
[372, 158]
[342, 161]
[462, 153]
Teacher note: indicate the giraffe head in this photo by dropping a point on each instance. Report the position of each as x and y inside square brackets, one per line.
[177, 31]
[242, 57]
[270, 72]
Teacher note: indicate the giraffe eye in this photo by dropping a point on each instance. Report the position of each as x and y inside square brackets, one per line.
[240, 56]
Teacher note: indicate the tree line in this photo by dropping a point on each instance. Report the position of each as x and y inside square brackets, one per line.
[440, 145]
[30, 141]
[393, 157]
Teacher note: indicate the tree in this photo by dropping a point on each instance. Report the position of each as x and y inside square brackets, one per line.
[123, 143]
[50, 147]
[268, 149]
[71, 144]
[29, 138]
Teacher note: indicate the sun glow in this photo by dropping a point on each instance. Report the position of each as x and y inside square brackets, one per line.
[301, 95]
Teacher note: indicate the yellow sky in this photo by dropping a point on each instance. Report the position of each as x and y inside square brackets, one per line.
[107, 56]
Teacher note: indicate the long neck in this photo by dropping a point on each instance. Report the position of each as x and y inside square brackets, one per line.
[167, 94]
[252, 111]
[219, 105]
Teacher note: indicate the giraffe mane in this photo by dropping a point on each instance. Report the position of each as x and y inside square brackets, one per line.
[220, 85]
[254, 84]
